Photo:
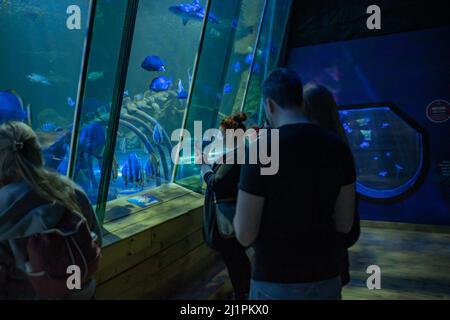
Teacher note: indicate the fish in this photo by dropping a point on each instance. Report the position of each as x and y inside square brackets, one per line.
[237, 67]
[126, 94]
[131, 170]
[181, 93]
[249, 58]
[95, 75]
[70, 102]
[92, 139]
[234, 23]
[192, 11]
[153, 63]
[160, 84]
[385, 125]
[376, 158]
[364, 145]
[399, 167]
[157, 134]
[382, 173]
[48, 126]
[388, 154]
[38, 78]
[11, 107]
[347, 128]
[256, 68]
[227, 88]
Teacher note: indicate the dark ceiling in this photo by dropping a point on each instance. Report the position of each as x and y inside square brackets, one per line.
[320, 21]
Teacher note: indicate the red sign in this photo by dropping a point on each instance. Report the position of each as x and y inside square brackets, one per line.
[438, 111]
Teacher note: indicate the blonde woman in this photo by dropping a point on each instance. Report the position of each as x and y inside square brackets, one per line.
[22, 173]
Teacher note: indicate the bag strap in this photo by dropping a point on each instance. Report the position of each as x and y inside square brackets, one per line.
[226, 200]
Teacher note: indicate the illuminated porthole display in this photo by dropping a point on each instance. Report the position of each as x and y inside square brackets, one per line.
[388, 150]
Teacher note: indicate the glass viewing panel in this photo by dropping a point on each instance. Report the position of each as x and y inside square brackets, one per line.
[97, 100]
[40, 59]
[388, 151]
[222, 72]
[156, 91]
[267, 57]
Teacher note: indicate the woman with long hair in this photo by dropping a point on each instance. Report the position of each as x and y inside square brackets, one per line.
[321, 109]
[22, 173]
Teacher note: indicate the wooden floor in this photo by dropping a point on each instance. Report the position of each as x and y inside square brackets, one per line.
[414, 265]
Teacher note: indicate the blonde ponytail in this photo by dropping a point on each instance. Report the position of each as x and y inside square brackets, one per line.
[21, 158]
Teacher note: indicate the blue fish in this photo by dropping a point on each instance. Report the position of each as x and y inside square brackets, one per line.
[182, 94]
[385, 125]
[11, 107]
[153, 63]
[234, 23]
[92, 139]
[70, 102]
[126, 94]
[347, 128]
[237, 67]
[388, 154]
[227, 88]
[364, 145]
[256, 68]
[157, 134]
[48, 127]
[382, 173]
[160, 84]
[399, 167]
[131, 170]
[192, 11]
[249, 59]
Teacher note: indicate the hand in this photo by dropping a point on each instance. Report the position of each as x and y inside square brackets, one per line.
[199, 160]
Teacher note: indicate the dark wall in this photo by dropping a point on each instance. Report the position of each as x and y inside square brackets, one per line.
[314, 21]
[409, 69]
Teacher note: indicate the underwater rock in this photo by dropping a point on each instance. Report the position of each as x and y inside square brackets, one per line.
[156, 108]
[126, 101]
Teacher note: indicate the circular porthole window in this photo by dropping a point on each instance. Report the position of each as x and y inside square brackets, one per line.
[388, 150]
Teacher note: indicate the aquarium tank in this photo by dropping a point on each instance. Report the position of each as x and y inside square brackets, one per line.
[388, 151]
[40, 62]
[106, 95]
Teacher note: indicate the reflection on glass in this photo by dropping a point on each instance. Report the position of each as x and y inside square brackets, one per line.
[387, 151]
[222, 74]
[96, 104]
[40, 60]
[267, 55]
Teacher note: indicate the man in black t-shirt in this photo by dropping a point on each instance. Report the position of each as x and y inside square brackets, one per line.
[292, 217]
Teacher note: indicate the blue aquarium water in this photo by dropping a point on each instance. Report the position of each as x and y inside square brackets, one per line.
[41, 59]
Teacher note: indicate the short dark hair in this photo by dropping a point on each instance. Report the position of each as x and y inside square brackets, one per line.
[284, 86]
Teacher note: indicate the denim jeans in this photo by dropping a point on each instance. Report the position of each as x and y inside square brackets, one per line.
[322, 290]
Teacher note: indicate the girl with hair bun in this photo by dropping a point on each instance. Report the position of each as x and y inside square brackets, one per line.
[221, 194]
[33, 200]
